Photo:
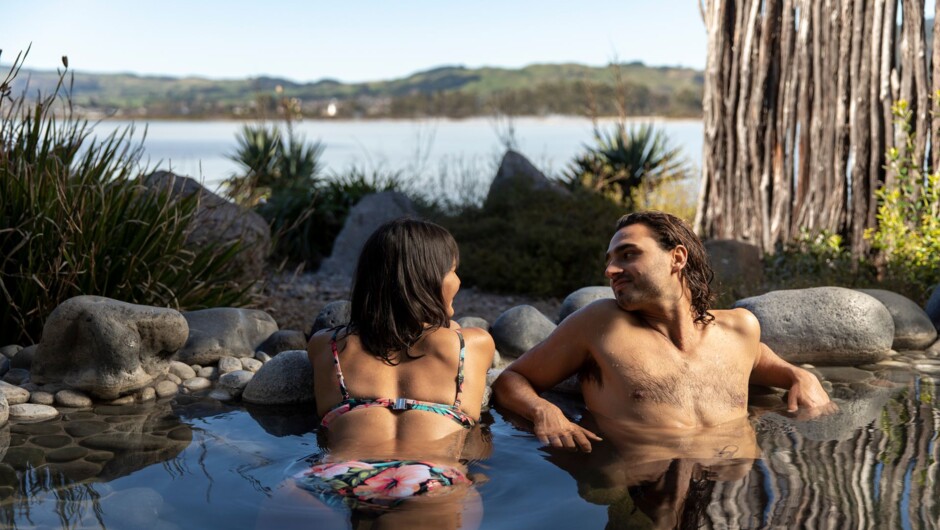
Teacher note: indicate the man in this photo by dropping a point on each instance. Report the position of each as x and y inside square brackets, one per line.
[655, 356]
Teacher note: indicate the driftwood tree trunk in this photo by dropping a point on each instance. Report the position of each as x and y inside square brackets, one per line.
[797, 113]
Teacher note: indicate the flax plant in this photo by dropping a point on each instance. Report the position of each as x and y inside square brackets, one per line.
[75, 219]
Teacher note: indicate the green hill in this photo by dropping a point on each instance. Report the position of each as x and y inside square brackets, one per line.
[450, 91]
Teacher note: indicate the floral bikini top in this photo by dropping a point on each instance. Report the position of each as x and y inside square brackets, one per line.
[398, 404]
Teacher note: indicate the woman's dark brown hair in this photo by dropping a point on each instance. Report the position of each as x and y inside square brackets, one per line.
[397, 294]
[670, 232]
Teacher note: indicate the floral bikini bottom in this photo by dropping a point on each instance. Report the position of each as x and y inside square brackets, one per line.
[378, 484]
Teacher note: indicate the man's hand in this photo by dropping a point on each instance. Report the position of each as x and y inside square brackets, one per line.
[807, 397]
[554, 429]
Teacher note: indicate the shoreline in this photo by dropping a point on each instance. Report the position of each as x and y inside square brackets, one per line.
[548, 117]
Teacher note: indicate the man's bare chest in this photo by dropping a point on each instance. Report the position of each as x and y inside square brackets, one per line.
[648, 375]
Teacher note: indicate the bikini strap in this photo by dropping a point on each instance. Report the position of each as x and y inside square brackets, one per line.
[339, 371]
[463, 349]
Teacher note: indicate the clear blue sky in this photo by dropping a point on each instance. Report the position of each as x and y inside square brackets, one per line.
[345, 40]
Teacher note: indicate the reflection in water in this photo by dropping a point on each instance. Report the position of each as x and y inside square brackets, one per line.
[61, 461]
[658, 478]
[873, 464]
[201, 464]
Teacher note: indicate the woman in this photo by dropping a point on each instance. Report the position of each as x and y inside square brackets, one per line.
[398, 388]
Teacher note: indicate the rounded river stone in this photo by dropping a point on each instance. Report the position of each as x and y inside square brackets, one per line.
[250, 364]
[41, 398]
[24, 457]
[14, 394]
[519, 329]
[182, 370]
[51, 441]
[32, 412]
[823, 325]
[583, 297]
[913, 329]
[229, 364]
[81, 429]
[36, 429]
[72, 398]
[196, 383]
[166, 389]
[66, 454]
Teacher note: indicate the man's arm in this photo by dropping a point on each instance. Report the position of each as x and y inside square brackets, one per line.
[559, 356]
[805, 390]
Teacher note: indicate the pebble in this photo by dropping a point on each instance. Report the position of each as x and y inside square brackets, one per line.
[147, 394]
[220, 395]
[16, 376]
[66, 454]
[209, 372]
[41, 398]
[51, 441]
[234, 382]
[10, 351]
[887, 365]
[182, 370]
[263, 357]
[166, 389]
[252, 365]
[14, 394]
[927, 368]
[81, 429]
[229, 364]
[73, 398]
[32, 412]
[123, 400]
[195, 368]
[173, 377]
[196, 383]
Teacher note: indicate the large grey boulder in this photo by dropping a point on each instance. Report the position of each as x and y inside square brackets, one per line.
[333, 314]
[219, 221]
[283, 340]
[581, 298]
[224, 331]
[367, 215]
[106, 347]
[737, 265]
[520, 328]
[516, 174]
[933, 307]
[474, 322]
[284, 380]
[823, 325]
[913, 329]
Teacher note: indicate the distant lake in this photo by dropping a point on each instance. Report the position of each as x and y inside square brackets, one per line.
[420, 149]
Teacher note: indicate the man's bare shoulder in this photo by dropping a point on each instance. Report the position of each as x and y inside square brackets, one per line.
[601, 311]
[738, 320]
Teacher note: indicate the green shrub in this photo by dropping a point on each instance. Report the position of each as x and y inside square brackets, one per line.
[74, 220]
[814, 260]
[908, 232]
[536, 242]
[306, 222]
[621, 160]
[272, 162]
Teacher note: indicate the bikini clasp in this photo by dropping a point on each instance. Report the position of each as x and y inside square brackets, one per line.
[400, 404]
